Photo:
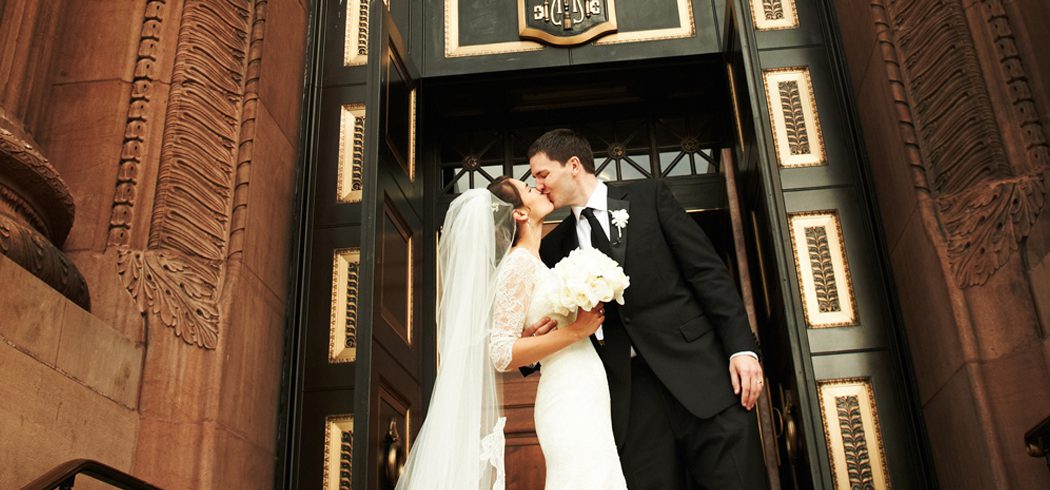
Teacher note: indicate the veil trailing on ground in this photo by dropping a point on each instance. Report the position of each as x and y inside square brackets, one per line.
[460, 446]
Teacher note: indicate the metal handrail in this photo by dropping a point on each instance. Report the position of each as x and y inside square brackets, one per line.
[64, 475]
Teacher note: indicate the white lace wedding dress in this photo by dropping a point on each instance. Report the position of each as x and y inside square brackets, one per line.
[573, 418]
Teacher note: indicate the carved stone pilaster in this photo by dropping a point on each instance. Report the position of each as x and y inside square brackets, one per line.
[199, 208]
[987, 201]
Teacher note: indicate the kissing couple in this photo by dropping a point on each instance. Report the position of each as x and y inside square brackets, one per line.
[655, 393]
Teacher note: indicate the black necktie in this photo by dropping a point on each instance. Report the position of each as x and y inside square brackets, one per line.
[598, 238]
[616, 347]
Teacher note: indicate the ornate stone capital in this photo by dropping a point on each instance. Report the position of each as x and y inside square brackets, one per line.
[31, 190]
[36, 213]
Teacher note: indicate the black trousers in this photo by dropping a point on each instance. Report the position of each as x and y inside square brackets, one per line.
[667, 446]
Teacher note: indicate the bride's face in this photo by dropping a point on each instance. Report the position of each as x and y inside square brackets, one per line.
[536, 202]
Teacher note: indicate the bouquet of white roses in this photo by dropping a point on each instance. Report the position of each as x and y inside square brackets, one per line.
[584, 278]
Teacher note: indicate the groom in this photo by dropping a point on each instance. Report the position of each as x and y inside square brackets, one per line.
[682, 363]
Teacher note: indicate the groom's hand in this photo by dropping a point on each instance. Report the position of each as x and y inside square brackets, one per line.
[539, 328]
[746, 374]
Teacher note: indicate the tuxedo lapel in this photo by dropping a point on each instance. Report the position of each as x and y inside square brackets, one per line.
[618, 237]
[570, 241]
[559, 242]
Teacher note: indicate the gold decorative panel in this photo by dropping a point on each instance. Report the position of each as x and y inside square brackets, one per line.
[853, 435]
[793, 112]
[351, 153]
[454, 50]
[338, 452]
[773, 15]
[686, 28]
[355, 44]
[823, 269]
[342, 338]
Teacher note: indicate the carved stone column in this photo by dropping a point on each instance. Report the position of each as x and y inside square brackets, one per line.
[36, 208]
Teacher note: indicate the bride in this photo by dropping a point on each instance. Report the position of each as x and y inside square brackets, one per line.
[490, 271]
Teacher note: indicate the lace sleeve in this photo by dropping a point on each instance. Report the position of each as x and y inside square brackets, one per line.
[513, 291]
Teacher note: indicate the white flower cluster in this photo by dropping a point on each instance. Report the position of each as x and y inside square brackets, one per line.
[584, 278]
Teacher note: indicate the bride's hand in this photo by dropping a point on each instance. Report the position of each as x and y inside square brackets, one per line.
[541, 327]
[587, 322]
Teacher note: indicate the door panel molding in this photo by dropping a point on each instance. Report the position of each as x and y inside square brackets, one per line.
[397, 275]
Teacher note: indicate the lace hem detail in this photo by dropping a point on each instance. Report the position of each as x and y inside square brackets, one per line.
[492, 447]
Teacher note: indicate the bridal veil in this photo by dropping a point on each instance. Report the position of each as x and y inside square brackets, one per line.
[460, 446]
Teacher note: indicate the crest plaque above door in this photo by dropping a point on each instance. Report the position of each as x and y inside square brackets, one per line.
[565, 22]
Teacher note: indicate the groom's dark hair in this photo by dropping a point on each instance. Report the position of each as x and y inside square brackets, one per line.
[562, 144]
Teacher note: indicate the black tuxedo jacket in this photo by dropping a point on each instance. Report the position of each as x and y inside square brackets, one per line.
[682, 311]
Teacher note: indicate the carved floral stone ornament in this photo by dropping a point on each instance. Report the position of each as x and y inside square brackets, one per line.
[566, 22]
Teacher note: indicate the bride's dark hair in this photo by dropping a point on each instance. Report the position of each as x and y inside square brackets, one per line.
[505, 190]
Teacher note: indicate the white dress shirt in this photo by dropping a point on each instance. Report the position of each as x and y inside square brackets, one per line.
[599, 202]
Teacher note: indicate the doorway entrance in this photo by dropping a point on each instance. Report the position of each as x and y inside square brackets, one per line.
[752, 132]
[671, 121]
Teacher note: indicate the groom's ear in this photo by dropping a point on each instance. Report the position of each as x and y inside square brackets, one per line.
[574, 165]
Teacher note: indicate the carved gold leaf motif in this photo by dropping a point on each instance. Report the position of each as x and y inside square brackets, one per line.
[853, 434]
[858, 464]
[823, 268]
[794, 117]
[773, 9]
[355, 47]
[338, 453]
[350, 166]
[346, 268]
[351, 304]
[346, 460]
[774, 15]
[358, 154]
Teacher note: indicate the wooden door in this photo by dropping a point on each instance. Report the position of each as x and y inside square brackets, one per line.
[389, 364]
[838, 385]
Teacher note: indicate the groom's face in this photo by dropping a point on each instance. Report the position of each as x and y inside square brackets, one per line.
[553, 179]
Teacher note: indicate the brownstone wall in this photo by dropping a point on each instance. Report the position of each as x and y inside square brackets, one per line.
[60, 399]
[174, 124]
[951, 98]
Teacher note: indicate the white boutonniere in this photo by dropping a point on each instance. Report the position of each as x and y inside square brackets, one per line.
[619, 220]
